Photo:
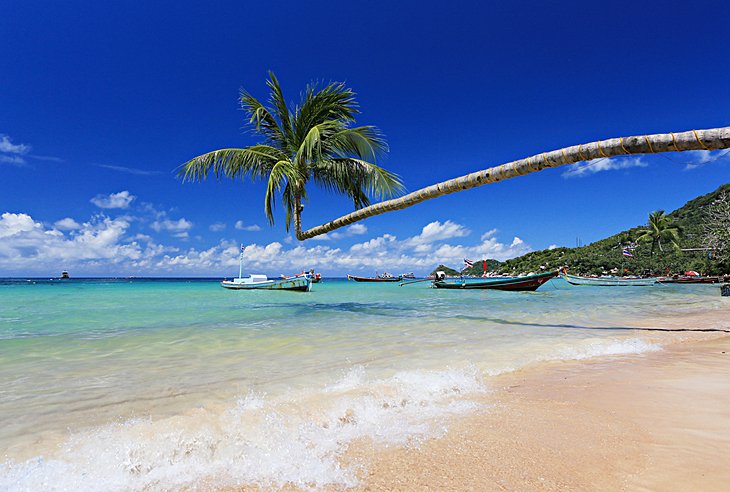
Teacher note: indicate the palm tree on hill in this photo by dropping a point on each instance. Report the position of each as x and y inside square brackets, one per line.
[316, 141]
[660, 228]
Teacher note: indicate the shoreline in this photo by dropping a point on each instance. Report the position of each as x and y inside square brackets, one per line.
[652, 421]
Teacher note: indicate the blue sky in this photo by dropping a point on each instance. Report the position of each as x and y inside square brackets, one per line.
[100, 102]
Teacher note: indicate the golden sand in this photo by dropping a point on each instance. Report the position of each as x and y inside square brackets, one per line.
[659, 421]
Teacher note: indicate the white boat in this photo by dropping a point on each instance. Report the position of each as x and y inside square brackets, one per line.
[258, 281]
[609, 281]
[262, 282]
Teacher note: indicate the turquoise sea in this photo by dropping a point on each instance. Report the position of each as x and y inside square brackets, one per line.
[127, 384]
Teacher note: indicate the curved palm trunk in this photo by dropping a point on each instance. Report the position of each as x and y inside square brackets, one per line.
[298, 215]
[711, 139]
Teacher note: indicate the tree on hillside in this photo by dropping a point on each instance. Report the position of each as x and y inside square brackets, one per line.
[660, 228]
[316, 141]
[716, 234]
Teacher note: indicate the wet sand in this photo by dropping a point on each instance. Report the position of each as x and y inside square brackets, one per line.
[657, 421]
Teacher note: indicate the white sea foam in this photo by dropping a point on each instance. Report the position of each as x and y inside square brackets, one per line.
[258, 440]
[590, 349]
[578, 351]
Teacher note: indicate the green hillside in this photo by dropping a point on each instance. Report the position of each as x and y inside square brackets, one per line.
[476, 270]
[443, 268]
[606, 254]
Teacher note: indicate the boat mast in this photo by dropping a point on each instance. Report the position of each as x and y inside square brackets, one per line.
[240, 263]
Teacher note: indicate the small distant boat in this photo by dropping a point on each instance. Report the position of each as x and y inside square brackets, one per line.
[526, 283]
[410, 275]
[384, 277]
[64, 275]
[689, 279]
[609, 281]
[262, 282]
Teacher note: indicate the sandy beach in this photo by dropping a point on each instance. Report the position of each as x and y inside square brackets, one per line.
[656, 421]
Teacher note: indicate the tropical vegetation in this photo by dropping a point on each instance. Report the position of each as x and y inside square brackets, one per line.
[315, 142]
[660, 228]
[703, 246]
[716, 230]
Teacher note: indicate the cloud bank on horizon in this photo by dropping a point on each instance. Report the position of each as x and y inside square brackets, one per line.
[137, 243]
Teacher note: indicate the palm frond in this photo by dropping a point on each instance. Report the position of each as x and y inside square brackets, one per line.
[318, 137]
[262, 120]
[279, 175]
[357, 179]
[282, 175]
[363, 142]
[334, 102]
[255, 161]
[280, 107]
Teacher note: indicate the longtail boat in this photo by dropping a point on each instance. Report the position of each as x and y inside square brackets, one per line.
[609, 281]
[385, 277]
[526, 283]
[315, 277]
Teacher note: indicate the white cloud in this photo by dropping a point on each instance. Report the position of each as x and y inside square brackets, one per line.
[583, 169]
[217, 227]
[12, 159]
[11, 153]
[13, 224]
[27, 246]
[8, 147]
[67, 224]
[353, 230]
[700, 158]
[113, 200]
[437, 231]
[178, 227]
[16, 154]
[552, 246]
[488, 234]
[105, 246]
[242, 227]
[357, 229]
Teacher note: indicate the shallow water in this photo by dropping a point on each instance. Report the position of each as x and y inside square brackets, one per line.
[126, 384]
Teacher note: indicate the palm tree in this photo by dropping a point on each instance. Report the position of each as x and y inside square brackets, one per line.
[660, 228]
[710, 139]
[314, 142]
